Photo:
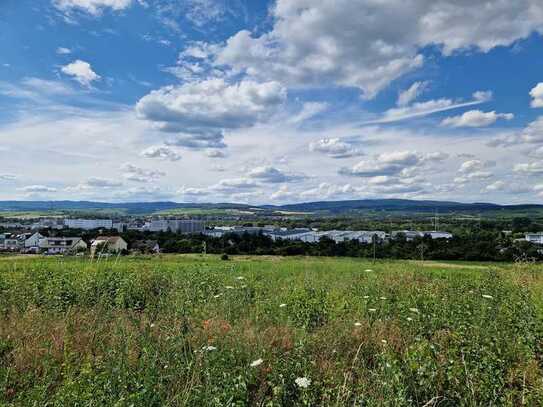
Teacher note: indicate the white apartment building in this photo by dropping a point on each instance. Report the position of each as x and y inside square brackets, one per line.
[536, 238]
[88, 224]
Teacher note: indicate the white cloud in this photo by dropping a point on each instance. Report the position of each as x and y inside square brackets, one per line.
[335, 148]
[234, 184]
[533, 168]
[273, 175]
[475, 165]
[309, 109]
[37, 189]
[161, 152]
[82, 72]
[93, 7]
[8, 177]
[531, 134]
[420, 109]
[63, 51]
[215, 154]
[198, 113]
[99, 182]
[537, 95]
[402, 163]
[366, 45]
[414, 91]
[476, 118]
[137, 174]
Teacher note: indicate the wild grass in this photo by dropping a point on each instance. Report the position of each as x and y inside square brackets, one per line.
[185, 330]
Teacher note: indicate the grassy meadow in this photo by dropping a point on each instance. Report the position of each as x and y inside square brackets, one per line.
[268, 331]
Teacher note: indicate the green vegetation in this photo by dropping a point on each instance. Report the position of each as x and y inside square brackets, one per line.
[198, 330]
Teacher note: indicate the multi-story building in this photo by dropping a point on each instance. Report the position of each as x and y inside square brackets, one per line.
[186, 226]
[88, 224]
[62, 245]
[536, 238]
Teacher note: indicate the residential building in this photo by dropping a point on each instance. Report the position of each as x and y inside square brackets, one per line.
[88, 224]
[33, 240]
[62, 245]
[108, 244]
[184, 226]
[536, 238]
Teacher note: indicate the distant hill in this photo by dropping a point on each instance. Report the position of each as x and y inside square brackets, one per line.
[321, 207]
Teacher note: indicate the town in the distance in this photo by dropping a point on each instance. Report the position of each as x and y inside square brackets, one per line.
[391, 234]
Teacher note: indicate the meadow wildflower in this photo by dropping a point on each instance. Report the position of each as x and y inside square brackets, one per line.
[415, 310]
[409, 319]
[488, 296]
[357, 324]
[282, 305]
[372, 310]
[240, 278]
[209, 348]
[366, 297]
[256, 363]
[217, 296]
[368, 270]
[384, 341]
[303, 382]
[229, 287]
[383, 298]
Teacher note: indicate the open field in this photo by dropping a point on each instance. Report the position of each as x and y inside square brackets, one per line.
[195, 330]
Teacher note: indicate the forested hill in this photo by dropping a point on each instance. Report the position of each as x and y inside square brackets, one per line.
[330, 207]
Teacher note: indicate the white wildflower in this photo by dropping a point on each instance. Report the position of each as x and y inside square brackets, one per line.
[357, 324]
[366, 297]
[303, 382]
[240, 278]
[256, 363]
[229, 287]
[384, 341]
[488, 296]
[372, 310]
[415, 310]
[209, 348]
[152, 325]
[368, 270]
[409, 319]
[282, 305]
[383, 298]
[217, 296]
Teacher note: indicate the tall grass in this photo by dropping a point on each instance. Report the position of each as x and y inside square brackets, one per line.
[184, 331]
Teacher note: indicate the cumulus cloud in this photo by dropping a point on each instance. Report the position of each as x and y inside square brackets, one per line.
[198, 113]
[161, 152]
[234, 184]
[8, 177]
[82, 72]
[533, 168]
[274, 175]
[402, 163]
[93, 7]
[138, 174]
[531, 134]
[414, 91]
[537, 95]
[335, 148]
[367, 45]
[476, 118]
[475, 165]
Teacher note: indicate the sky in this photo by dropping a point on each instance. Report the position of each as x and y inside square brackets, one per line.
[275, 102]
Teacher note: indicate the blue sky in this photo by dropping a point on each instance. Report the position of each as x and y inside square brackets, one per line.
[271, 101]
